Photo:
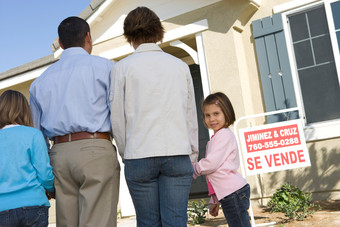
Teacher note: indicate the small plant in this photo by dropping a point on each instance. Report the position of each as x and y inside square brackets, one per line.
[293, 202]
[197, 211]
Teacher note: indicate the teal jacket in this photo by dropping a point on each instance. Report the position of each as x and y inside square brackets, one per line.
[25, 170]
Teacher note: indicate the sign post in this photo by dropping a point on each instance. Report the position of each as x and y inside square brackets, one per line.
[271, 147]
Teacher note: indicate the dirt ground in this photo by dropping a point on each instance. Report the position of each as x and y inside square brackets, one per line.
[328, 216]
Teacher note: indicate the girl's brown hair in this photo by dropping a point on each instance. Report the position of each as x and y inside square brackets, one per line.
[142, 25]
[14, 109]
[224, 103]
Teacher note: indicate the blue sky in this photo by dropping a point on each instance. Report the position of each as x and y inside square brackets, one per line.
[28, 28]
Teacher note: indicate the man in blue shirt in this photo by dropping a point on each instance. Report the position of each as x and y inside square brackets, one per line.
[70, 105]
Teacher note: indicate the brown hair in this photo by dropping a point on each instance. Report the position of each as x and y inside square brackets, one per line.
[224, 103]
[142, 25]
[14, 109]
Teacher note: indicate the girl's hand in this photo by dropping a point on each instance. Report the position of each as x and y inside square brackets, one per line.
[213, 210]
[50, 195]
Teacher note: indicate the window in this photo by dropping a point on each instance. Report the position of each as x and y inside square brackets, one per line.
[335, 6]
[314, 35]
[297, 52]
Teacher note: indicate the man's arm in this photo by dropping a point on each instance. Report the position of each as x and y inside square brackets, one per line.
[36, 115]
[36, 112]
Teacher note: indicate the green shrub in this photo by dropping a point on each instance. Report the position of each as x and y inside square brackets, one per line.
[291, 201]
[197, 211]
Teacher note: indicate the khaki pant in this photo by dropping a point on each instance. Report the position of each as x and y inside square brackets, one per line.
[86, 182]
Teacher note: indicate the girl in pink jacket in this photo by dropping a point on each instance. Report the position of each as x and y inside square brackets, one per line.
[226, 186]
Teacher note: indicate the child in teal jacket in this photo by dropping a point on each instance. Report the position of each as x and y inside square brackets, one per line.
[25, 171]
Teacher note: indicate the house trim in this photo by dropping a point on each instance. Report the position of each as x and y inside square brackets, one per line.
[170, 36]
[18, 79]
[291, 5]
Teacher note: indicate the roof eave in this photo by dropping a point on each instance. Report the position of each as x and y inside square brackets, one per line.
[85, 14]
[28, 67]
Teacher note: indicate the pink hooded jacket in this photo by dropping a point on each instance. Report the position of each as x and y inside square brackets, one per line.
[221, 164]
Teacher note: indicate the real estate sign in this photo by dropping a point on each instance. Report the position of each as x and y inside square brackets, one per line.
[274, 147]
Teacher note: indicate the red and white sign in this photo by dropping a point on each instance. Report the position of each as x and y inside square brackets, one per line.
[274, 147]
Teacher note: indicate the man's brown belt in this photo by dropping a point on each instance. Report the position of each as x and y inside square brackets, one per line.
[80, 136]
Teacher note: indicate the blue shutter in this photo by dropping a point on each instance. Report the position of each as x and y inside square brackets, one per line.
[274, 67]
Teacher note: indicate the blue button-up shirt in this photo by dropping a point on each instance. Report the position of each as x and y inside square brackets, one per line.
[72, 95]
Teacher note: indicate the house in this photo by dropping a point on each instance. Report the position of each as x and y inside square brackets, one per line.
[265, 55]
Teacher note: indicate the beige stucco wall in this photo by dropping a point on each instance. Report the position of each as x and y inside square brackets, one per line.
[226, 50]
[23, 88]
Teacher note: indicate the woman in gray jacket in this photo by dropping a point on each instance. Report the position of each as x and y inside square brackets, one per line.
[154, 123]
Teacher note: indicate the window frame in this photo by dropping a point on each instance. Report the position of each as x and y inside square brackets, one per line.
[319, 130]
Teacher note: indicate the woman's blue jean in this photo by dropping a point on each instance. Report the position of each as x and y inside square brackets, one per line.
[33, 216]
[235, 207]
[160, 187]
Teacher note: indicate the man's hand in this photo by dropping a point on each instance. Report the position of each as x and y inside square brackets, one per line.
[213, 210]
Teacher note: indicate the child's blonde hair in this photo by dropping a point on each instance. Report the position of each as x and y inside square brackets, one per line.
[224, 103]
[14, 109]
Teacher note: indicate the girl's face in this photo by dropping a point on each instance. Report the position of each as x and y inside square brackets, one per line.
[214, 117]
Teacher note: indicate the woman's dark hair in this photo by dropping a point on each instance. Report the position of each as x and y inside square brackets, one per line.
[224, 103]
[72, 32]
[142, 25]
[14, 109]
